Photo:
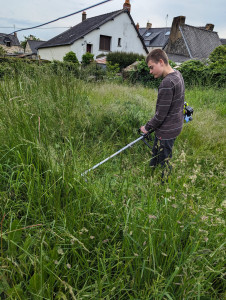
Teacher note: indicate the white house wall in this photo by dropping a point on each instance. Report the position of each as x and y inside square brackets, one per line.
[120, 27]
[54, 53]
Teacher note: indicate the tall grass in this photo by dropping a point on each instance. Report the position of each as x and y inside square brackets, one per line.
[119, 234]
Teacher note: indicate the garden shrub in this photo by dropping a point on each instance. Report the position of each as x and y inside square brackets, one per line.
[218, 55]
[141, 74]
[70, 57]
[194, 72]
[87, 58]
[123, 59]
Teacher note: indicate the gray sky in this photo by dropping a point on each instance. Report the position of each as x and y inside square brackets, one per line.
[28, 13]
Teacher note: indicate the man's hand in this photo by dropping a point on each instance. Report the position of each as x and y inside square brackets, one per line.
[142, 129]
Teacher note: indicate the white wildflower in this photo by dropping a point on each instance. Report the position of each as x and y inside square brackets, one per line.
[60, 251]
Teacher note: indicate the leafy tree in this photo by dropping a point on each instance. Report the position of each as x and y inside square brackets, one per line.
[70, 57]
[26, 38]
[87, 58]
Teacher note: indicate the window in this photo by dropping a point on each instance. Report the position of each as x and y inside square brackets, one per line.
[167, 33]
[119, 42]
[105, 42]
[148, 34]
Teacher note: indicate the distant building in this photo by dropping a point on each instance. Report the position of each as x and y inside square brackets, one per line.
[188, 42]
[154, 38]
[115, 31]
[10, 43]
[32, 48]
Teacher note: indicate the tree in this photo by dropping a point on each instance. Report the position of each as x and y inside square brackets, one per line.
[70, 57]
[26, 38]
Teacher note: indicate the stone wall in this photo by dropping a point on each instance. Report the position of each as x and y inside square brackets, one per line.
[13, 49]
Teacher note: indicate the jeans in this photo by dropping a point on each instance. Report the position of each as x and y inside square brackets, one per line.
[161, 153]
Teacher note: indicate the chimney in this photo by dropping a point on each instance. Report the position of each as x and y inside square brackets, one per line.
[149, 25]
[15, 34]
[175, 32]
[209, 27]
[127, 5]
[83, 16]
[137, 26]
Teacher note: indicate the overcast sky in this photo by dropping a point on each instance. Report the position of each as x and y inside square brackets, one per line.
[27, 13]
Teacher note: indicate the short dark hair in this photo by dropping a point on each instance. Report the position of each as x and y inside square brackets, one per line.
[157, 54]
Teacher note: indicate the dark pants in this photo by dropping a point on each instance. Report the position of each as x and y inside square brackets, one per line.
[161, 154]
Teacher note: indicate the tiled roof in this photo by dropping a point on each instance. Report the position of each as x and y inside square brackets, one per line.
[80, 30]
[9, 38]
[199, 42]
[223, 41]
[155, 37]
[34, 45]
[177, 58]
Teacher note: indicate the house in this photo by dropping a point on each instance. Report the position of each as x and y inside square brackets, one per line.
[154, 38]
[10, 43]
[32, 48]
[188, 42]
[114, 31]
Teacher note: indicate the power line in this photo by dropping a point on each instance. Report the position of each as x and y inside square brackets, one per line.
[39, 28]
[60, 18]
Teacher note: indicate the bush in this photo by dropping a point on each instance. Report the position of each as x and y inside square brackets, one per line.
[218, 55]
[112, 70]
[87, 58]
[123, 59]
[60, 68]
[2, 51]
[142, 75]
[194, 72]
[92, 72]
[70, 57]
[208, 73]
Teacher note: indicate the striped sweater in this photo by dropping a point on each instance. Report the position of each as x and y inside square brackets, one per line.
[168, 119]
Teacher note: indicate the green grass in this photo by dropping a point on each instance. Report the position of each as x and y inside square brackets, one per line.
[120, 234]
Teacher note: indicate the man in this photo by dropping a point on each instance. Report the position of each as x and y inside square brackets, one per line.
[168, 119]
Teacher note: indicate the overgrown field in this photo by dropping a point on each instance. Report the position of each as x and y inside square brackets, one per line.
[119, 234]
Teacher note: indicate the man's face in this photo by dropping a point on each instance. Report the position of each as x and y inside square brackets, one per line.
[156, 69]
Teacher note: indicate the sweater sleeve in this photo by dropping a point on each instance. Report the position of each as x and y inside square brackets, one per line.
[165, 96]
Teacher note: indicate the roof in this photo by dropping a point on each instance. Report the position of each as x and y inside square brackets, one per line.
[178, 58]
[223, 41]
[80, 30]
[101, 60]
[155, 37]
[199, 42]
[34, 45]
[4, 37]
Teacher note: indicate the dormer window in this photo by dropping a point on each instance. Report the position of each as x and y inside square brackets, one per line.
[7, 41]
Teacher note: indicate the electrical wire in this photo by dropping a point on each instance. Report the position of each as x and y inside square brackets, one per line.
[60, 18]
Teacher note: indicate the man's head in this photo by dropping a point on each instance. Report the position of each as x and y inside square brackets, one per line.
[158, 63]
